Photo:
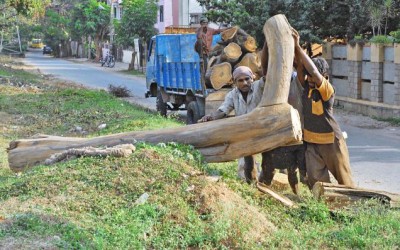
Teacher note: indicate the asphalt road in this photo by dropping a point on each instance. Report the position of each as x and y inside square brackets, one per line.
[90, 75]
[374, 146]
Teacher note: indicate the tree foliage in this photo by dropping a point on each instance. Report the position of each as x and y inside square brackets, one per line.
[90, 18]
[315, 20]
[55, 28]
[137, 22]
[34, 8]
[250, 15]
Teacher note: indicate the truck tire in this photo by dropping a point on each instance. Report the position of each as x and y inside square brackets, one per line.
[161, 105]
[193, 114]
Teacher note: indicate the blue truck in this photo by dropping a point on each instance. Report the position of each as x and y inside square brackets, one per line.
[175, 78]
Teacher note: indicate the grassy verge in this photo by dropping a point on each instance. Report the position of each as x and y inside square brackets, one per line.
[93, 202]
[394, 121]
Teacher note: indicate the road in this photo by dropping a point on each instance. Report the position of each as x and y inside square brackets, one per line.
[90, 75]
[374, 146]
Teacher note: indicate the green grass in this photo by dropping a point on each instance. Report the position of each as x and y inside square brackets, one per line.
[393, 120]
[90, 202]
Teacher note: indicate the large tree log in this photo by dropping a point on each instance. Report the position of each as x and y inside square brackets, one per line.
[266, 127]
[278, 77]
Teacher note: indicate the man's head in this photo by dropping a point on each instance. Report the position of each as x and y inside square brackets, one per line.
[243, 78]
[323, 69]
[321, 65]
[203, 21]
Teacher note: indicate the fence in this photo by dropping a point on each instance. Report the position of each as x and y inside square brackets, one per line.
[366, 77]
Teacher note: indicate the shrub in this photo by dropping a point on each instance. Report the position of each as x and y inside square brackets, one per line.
[119, 91]
[395, 35]
[381, 39]
[358, 39]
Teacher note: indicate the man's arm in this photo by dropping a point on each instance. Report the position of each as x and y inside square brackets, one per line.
[225, 108]
[306, 60]
[216, 115]
[298, 63]
[264, 59]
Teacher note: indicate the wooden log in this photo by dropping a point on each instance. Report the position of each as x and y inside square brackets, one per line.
[272, 124]
[252, 61]
[219, 75]
[280, 52]
[285, 201]
[231, 53]
[216, 50]
[229, 34]
[341, 195]
[221, 140]
[248, 43]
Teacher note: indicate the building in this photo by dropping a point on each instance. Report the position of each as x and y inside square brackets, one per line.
[178, 13]
[117, 10]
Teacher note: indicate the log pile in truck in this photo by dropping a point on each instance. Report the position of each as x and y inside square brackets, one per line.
[236, 48]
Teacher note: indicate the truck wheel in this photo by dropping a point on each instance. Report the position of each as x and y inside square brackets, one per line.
[161, 105]
[193, 114]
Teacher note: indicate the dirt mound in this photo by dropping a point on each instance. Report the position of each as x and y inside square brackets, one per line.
[224, 204]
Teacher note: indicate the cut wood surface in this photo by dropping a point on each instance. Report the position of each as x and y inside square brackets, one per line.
[248, 43]
[231, 53]
[229, 34]
[220, 75]
[272, 124]
[342, 195]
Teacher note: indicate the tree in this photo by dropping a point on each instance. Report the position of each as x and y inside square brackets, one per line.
[137, 22]
[250, 15]
[33, 8]
[315, 20]
[91, 19]
[55, 28]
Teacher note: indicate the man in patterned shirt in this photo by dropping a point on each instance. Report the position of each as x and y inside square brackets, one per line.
[326, 149]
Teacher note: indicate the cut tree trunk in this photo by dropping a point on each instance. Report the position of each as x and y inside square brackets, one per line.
[272, 124]
[340, 195]
[228, 35]
[219, 75]
[248, 43]
[231, 53]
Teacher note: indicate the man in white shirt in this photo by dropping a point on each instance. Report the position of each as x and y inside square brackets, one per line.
[243, 98]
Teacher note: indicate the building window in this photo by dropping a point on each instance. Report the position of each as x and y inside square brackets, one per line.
[161, 13]
[115, 12]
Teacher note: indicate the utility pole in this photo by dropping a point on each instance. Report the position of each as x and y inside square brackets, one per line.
[111, 24]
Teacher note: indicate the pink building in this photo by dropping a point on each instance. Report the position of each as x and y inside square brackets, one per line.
[178, 13]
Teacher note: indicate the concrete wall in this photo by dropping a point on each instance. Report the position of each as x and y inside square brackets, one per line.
[366, 78]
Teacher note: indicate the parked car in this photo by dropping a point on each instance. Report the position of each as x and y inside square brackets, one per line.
[47, 50]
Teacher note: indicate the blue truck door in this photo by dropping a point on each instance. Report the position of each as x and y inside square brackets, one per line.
[150, 65]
